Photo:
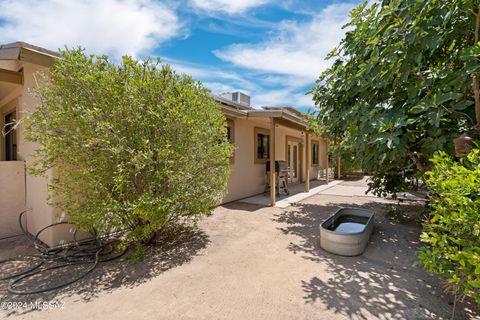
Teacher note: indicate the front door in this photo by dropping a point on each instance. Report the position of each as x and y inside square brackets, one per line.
[292, 161]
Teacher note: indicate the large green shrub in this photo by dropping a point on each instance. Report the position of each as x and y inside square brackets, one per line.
[134, 147]
[452, 230]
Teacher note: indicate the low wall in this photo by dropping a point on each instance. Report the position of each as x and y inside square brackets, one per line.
[12, 196]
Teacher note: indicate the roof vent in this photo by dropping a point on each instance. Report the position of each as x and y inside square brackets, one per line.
[237, 97]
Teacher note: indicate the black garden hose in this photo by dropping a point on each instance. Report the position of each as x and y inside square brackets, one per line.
[11, 286]
[30, 268]
[90, 251]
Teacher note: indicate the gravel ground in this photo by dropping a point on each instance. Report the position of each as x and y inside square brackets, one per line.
[252, 262]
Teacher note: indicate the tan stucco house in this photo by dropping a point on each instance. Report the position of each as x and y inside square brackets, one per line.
[256, 134]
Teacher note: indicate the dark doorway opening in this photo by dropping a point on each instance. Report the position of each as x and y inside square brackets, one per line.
[10, 138]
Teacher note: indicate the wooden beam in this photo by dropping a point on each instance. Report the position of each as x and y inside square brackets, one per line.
[273, 190]
[11, 76]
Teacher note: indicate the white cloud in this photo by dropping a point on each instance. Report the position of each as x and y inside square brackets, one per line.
[258, 87]
[212, 75]
[265, 90]
[282, 97]
[297, 49]
[285, 65]
[221, 87]
[227, 6]
[116, 27]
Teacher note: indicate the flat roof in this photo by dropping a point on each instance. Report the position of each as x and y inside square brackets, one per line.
[21, 44]
[288, 108]
[22, 51]
[288, 113]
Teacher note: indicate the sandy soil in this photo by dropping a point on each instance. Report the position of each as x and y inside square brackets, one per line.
[251, 262]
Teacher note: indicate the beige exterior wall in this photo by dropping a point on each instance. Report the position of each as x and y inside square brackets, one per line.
[41, 214]
[12, 196]
[248, 178]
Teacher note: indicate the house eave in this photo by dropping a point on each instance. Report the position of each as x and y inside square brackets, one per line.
[11, 77]
[22, 51]
[233, 113]
[280, 114]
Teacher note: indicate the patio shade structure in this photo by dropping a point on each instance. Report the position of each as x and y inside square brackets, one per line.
[287, 118]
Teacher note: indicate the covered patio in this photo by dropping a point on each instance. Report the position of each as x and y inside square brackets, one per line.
[298, 193]
[290, 119]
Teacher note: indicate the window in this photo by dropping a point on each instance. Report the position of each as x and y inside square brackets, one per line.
[315, 149]
[231, 136]
[262, 145]
[229, 133]
[10, 137]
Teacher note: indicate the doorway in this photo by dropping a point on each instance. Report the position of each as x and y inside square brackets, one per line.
[10, 137]
[293, 162]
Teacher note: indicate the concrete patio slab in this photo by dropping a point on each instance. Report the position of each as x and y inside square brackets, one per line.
[297, 194]
[347, 189]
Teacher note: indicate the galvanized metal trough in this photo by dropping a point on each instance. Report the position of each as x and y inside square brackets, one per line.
[347, 231]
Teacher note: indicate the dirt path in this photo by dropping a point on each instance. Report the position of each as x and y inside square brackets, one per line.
[250, 262]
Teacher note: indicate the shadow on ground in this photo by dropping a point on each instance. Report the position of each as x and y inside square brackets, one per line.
[243, 206]
[382, 282]
[169, 252]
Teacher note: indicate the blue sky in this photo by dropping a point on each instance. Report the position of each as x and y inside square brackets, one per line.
[272, 50]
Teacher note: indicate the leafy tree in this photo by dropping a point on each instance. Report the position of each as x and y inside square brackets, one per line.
[403, 84]
[134, 147]
[343, 150]
[452, 231]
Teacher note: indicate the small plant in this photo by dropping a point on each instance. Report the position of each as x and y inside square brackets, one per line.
[452, 229]
[395, 214]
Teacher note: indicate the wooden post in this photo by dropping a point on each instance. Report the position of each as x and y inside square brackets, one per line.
[273, 190]
[308, 160]
[339, 171]
[327, 162]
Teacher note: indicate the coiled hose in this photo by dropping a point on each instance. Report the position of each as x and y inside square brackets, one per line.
[89, 251]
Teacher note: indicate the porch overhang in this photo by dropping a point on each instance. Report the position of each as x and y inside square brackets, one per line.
[11, 83]
[11, 77]
[22, 51]
[232, 112]
[281, 117]
[231, 108]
